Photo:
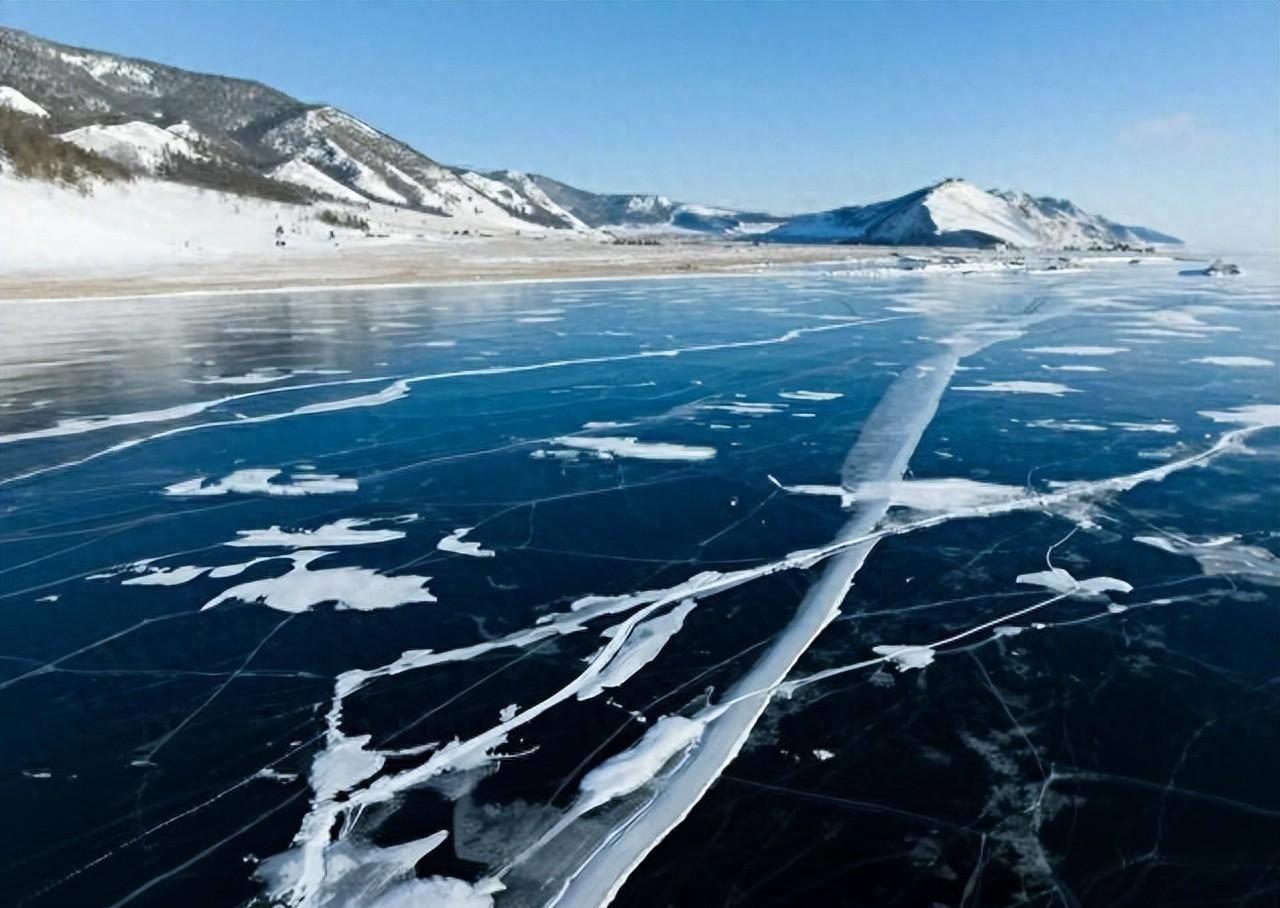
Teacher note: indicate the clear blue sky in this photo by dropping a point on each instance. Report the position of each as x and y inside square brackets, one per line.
[1164, 114]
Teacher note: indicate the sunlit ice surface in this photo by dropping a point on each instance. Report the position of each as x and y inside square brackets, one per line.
[816, 587]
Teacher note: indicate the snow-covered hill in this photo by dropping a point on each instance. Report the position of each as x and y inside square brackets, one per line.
[13, 99]
[137, 112]
[957, 213]
[144, 222]
[136, 145]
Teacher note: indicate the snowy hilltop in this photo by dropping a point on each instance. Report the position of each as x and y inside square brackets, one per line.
[957, 213]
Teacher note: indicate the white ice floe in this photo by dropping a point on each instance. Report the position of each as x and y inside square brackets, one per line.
[259, 482]
[822, 755]
[1073, 368]
[810, 395]
[346, 531]
[1061, 581]
[302, 589]
[1236, 362]
[1079, 351]
[454, 543]
[608, 447]
[1020, 387]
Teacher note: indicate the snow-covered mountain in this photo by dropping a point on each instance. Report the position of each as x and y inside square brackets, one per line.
[137, 113]
[957, 213]
[243, 137]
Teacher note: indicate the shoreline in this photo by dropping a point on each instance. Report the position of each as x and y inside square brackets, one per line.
[410, 266]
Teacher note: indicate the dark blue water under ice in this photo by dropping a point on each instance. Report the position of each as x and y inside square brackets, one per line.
[173, 730]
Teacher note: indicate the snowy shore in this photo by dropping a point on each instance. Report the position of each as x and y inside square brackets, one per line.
[150, 237]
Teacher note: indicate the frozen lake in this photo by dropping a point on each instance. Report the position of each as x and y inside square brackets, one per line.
[765, 590]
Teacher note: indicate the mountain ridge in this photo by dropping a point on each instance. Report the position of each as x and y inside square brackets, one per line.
[145, 115]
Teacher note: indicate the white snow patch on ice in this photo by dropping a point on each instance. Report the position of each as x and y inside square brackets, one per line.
[607, 448]
[1235, 362]
[1067, 425]
[454, 543]
[810, 395]
[258, 482]
[301, 589]
[1020, 387]
[1257, 415]
[346, 531]
[1080, 350]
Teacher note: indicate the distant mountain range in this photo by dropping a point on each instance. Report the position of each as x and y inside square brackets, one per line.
[242, 136]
